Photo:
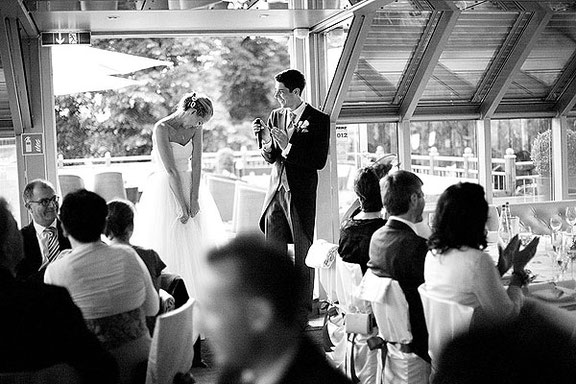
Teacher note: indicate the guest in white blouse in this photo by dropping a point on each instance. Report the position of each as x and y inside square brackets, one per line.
[458, 269]
[110, 284]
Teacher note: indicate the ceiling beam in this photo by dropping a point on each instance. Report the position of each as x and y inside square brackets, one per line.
[357, 33]
[13, 65]
[539, 18]
[445, 22]
[567, 101]
[17, 10]
[361, 8]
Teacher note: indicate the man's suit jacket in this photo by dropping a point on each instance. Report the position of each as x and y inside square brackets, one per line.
[307, 155]
[32, 261]
[308, 367]
[397, 252]
[41, 326]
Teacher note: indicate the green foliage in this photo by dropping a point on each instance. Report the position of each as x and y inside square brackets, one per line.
[249, 67]
[235, 73]
[542, 151]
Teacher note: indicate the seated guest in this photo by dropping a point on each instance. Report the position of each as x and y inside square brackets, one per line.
[536, 347]
[381, 166]
[457, 268]
[250, 308]
[43, 237]
[110, 284]
[397, 252]
[119, 228]
[40, 326]
[355, 233]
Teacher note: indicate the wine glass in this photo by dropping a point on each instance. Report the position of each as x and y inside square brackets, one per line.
[571, 217]
[525, 235]
[555, 225]
[569, 249]
[560, 264]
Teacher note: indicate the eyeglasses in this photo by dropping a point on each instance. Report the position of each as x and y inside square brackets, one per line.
[47, 201]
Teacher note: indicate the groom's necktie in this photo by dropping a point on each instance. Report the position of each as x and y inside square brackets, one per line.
[50, 235]
[291, 124]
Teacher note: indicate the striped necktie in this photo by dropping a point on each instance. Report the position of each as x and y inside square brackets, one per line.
[291, 124]
[52, 245]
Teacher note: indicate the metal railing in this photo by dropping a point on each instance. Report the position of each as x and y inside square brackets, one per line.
[505, 178]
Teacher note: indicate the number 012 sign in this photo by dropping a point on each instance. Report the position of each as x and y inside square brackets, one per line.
[341, 142]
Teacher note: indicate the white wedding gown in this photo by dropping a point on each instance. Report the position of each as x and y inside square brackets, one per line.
[182, 247]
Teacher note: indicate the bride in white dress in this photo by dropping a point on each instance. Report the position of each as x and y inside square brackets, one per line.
[176, 215]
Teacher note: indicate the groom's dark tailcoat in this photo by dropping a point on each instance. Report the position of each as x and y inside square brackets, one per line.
[28, 267]
[307, 155]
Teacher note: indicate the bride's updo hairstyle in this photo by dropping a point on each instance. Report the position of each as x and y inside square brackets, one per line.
[202, 105]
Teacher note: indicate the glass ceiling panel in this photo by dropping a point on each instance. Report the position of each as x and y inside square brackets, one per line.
[547, 61]
[146, 5]
[472, 46]
[390, 45]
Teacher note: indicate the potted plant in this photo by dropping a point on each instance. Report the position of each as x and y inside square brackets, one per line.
[541, 156]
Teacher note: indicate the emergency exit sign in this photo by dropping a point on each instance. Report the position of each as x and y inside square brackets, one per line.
[65, 38]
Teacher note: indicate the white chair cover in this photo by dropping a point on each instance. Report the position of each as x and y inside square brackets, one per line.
[389, 306]
[445, 319]
[172, 347]
[321, 254]
[69, 183]
[390, 309]
[110, 185]
[348, 278]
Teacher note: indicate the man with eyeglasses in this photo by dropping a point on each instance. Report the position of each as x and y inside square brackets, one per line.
[43, 237]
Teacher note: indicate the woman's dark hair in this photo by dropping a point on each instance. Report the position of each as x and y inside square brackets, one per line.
[120, 219]
[367, 187]
[460, 218]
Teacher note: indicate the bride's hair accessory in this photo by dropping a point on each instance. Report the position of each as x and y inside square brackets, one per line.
[202, 105]
[190, 102]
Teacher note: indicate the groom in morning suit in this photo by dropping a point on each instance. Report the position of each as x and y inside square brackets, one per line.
[42, 202]
[295, 141]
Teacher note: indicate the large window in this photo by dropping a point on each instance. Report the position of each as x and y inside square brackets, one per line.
[443, 153]
[571, 122]
[521, 160]
[360, 145]
[9, 175]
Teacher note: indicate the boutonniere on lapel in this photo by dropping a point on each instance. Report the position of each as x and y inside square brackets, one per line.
[302, 126]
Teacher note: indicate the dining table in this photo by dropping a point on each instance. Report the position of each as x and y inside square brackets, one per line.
[550, 293]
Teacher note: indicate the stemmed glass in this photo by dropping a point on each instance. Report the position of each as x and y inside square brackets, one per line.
[525, 235]
[555, 225]
[569, 250]
[571, 217]
[560, 264]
